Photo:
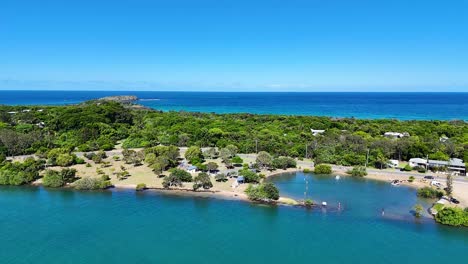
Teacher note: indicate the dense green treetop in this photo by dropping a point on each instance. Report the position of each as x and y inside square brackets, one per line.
[99, 125]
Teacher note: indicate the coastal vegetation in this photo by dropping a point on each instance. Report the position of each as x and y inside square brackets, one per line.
[452, 216]
[262, 192]
[357, 171]
[55, 179]
[202, 180]
[323, 169]
[449, 188]
[141, 187]
[418, 209]
[176, 178]
[19, 173]
[100, 125]
[428, 192]
[88, 183]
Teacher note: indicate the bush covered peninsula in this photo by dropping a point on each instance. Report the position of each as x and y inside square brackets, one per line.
[102, 143]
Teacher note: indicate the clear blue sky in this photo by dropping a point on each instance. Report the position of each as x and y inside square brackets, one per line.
[314, 45]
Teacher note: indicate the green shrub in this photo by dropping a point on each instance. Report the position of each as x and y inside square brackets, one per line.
[438, 207]
[262, 192]
[249, 176]
[171, 180]
[452, 216]
[358, 171]
[194, 155]
[418, 209]
[202, 180]
[181, 174]
[19, 173]
[427, 192]
[53, 179]
[18, 178]
[237, 160]
[323, 169]
[88, 183]
[221, 177]
[141, 187]
[79, 160]
[308, 202]
[65, 160]
[122, 175]
[411, 179]
[306, 170]
[284, 163]
[84, 148]
[107, 146]
[407, 168]
[68, 175]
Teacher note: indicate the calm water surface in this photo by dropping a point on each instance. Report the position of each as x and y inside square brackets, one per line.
[61, 226]
[423, 106]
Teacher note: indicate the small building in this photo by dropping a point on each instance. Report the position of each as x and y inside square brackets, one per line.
[417, 162]
[192, 169]
[240, 179]
[455, 166]
[396, 134]
[316, 132]
[443, 139]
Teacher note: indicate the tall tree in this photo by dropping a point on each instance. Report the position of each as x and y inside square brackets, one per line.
[449, 188]
[264, 159]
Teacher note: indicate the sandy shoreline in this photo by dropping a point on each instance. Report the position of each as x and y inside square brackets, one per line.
[143, 174]
[189, 192]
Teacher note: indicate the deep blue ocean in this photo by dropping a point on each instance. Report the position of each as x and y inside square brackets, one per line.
[113, 226]
[404, 106]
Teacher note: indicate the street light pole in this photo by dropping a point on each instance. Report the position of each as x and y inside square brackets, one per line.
[367, 157]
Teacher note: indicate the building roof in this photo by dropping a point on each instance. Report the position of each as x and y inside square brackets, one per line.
[452, 162]
[317, 131]
[418, 160]
[240, 178]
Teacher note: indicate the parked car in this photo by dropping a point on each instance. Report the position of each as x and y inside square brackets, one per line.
[455, 201]
[436, 184]
[429, 177]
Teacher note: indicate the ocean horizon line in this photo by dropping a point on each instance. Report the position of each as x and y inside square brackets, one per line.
[208, 91]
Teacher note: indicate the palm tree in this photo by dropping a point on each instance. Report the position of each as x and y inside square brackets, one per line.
[381, 160]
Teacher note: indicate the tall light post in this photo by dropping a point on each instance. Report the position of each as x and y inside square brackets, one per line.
[367, 157]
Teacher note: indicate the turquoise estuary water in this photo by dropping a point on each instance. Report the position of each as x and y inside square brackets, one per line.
[63, 226]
